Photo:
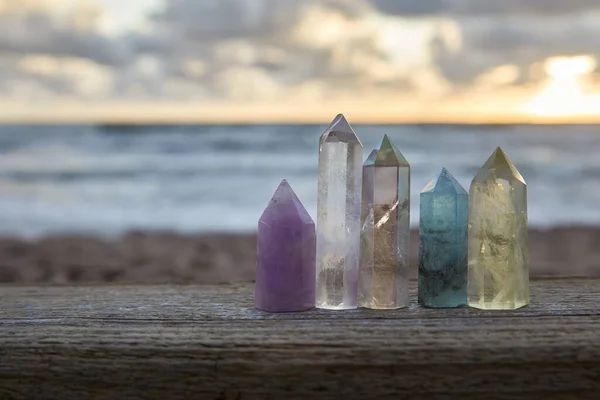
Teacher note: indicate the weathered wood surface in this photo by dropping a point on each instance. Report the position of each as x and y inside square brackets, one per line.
[208, 342]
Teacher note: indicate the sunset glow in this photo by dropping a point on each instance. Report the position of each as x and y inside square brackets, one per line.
[564, 93]
[185, 61]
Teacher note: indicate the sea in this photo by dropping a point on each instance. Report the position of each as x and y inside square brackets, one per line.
[110, 179]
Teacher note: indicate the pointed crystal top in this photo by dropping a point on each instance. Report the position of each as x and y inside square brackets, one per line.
[285, 206]
[499, 165]
[387, 155]
[371, 158]
[444, 182]
[340, 131]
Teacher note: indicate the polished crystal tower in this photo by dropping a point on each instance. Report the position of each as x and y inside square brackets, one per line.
[443, 226]
[285, 264]
[338, 216]
[498, 255]
[385, 230]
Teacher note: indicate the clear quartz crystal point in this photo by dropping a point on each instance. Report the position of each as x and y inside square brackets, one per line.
[498, 277]
[338, 216]
[443, 243]
[385, 229]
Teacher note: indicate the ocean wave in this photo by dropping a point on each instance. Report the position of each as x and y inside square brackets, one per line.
[108, 180]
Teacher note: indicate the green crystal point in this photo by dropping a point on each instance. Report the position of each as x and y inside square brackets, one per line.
[389, 155]
[340, 131]
[498, 166]
[498, 251]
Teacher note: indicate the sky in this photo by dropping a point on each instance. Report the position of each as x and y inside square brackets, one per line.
[299, 60]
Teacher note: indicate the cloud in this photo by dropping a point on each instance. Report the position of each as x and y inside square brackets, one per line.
[411, 8]
[520, 7]
[29, 28]
[494, 33]
[53, 50]
[214, 49]
[484, 7]
[493, 41]
[223, 19]
[275, 47]
[278, 50]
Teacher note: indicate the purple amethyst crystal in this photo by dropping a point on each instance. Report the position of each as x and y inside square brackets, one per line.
[285, 263]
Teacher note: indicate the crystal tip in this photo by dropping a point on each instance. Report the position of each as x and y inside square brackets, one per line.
[499, 162]
[340, 131]
[388, 154]
[499, 158]
[444, 182]
[340, 124]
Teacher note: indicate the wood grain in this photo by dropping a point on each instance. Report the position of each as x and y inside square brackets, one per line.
[208, 342]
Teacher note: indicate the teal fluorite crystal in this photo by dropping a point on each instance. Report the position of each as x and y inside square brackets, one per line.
[443, 243]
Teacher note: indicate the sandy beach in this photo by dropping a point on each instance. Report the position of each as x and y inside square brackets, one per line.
[155, 257]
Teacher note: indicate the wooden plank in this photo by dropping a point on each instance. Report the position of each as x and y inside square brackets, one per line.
[208, 342]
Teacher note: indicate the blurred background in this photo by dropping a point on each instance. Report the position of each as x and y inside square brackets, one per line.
[140, 140]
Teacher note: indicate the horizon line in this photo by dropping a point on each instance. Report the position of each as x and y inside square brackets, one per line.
[303, 121]
[283, 114]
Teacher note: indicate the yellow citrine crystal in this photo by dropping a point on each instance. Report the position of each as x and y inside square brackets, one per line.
[498, 277]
